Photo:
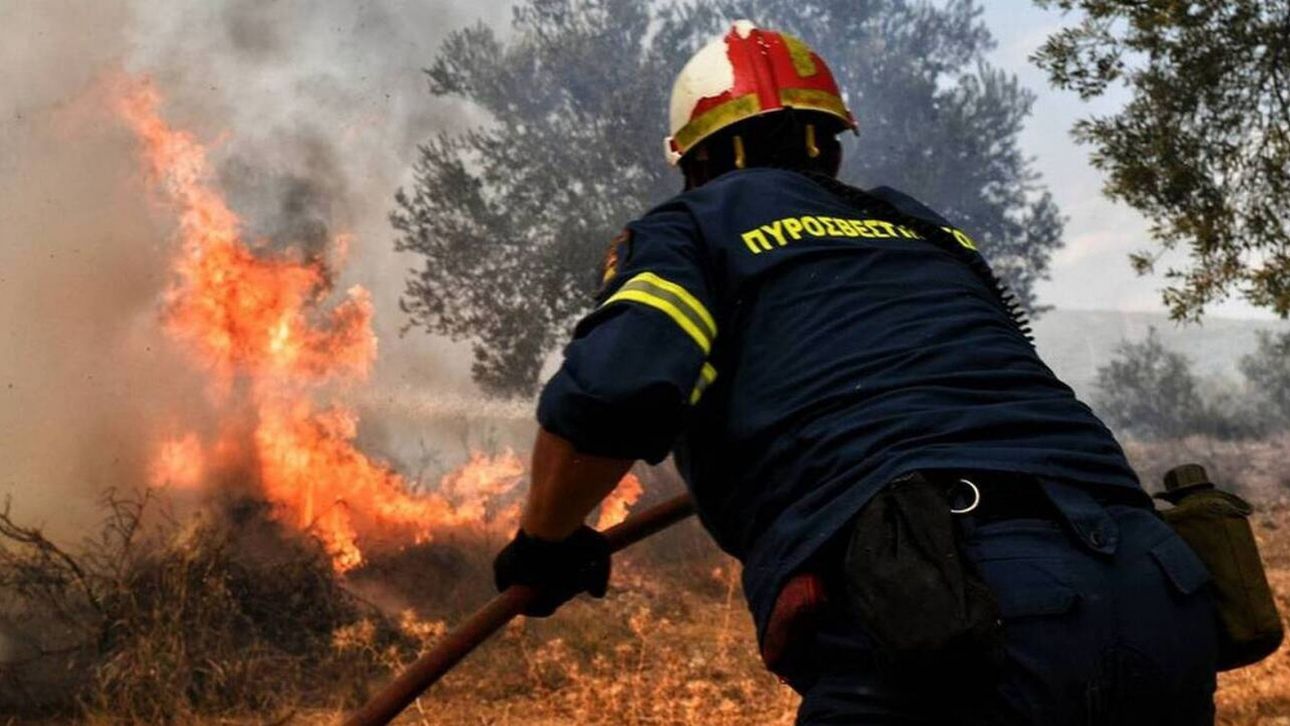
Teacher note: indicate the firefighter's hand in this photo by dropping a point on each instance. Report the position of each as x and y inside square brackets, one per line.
[559, 570]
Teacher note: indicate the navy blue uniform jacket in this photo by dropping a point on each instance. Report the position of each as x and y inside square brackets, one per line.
[795, 353]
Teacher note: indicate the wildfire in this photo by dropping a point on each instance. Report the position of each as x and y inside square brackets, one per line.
[179, 462]
[614, 509]
[267, 322]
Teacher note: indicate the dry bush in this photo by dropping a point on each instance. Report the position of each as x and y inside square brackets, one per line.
[163, 624]
[444, 578]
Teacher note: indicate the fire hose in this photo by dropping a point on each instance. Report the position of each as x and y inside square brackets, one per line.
[390, 701]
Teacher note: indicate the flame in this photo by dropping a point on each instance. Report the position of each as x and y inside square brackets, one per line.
[614, 509]
[179, 462]
[240, 312]
[267, 322]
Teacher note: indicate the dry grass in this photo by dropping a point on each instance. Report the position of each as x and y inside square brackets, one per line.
[655, 652]
[686, 657]
[230, 620]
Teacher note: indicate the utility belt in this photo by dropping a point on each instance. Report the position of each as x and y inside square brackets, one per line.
[1213, 523]
[991, 496]
[902, 570]
[1080, 509]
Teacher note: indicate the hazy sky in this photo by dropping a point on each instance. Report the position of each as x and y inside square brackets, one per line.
[1093, 271]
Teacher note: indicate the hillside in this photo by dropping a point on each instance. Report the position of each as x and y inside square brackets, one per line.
[1076, 342]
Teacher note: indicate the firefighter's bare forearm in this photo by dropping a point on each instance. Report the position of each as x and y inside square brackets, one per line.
[566, 486]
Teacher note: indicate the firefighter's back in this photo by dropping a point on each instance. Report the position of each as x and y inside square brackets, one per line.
[864, 338]
[855, 347]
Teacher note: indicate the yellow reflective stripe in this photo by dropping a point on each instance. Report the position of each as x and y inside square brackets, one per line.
[691, 301]
[707, 375]
[683, 308]
[814, 99]
[715, 119]
[800, 53]
[672, 311]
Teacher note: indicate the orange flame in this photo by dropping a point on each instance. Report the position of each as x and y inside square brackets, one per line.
[614, 509]
[264, 319]
[239, 312]
[178, 462]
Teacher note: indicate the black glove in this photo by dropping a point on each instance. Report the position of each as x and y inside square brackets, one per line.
[558, 570]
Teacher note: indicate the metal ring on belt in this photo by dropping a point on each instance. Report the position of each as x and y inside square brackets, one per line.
[976, 499]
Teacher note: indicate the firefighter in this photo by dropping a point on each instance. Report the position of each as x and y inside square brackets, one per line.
[933, 529]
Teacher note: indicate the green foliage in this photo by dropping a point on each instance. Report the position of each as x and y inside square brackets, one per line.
[1150, 392]
[1203, 146]
[1267, 370]
[512, 217]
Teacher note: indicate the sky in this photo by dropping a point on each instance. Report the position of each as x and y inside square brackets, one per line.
[1092, 272]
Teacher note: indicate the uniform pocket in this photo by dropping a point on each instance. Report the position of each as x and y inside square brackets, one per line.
[1029, 588]
[1181, 566]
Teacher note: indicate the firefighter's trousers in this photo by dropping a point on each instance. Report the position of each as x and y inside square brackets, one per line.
[1108, 620]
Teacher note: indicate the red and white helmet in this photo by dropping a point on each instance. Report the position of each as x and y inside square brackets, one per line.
[749, 72]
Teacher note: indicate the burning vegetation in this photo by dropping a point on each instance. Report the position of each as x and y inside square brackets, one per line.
[265, 597]
[274, 337]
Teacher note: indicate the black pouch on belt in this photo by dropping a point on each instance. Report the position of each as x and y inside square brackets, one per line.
[1216, 525]
[918, 597]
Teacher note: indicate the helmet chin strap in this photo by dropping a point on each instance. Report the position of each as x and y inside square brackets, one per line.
[788, 139]
[812, 149]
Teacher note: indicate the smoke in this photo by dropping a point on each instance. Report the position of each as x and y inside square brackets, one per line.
[289, 209]
[314, 112]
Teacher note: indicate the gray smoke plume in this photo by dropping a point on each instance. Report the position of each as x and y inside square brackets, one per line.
[312, 112]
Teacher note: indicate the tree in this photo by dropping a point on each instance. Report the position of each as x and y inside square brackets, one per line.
[513, 216]
[1150, 392]
[1267, 375]
[1203, 146]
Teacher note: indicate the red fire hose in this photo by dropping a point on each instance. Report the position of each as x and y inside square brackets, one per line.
[432, 665]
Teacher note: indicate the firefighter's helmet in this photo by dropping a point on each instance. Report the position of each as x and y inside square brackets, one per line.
[749, 72]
